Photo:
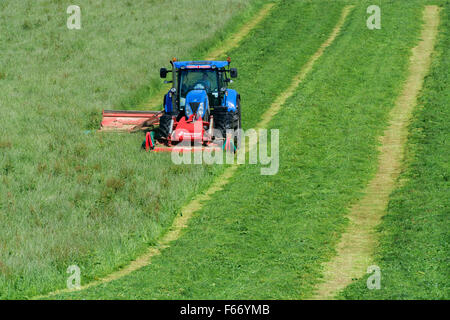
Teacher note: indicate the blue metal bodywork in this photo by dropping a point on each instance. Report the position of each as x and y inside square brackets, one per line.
[230, 100]
[200, 98]
[168, 102]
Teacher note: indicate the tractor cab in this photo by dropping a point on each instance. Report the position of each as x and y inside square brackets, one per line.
[206, 80]
[196, 86]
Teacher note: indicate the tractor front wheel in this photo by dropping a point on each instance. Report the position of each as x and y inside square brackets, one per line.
[164, 126]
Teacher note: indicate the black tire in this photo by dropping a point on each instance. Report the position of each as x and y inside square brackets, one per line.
[164, 126]
[222, 122]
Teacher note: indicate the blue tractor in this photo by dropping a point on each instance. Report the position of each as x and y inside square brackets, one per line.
[200, 111]
[199, 108]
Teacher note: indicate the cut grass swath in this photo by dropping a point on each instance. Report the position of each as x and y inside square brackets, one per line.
[414, 241]
[356, 247]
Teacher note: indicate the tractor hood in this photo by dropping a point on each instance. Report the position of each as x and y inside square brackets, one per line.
[196, 103]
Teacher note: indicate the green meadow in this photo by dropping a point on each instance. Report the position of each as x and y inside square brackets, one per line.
[267, 237]
[69, 195]
[72, 196]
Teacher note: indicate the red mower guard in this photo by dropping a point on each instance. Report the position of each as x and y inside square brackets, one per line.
[184, 133]
[128, 121]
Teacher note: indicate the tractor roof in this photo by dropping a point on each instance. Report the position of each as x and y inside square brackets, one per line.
[200, 64]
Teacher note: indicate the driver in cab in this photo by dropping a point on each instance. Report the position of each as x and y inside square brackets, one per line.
[204, 83]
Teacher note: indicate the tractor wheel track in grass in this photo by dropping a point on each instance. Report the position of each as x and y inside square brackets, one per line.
[355, 249]
[232, 42]
[180, 222]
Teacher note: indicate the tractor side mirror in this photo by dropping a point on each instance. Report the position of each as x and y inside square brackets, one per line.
[163, 73]
[233, 73]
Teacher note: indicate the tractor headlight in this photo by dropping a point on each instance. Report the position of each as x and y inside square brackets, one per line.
[200, 109]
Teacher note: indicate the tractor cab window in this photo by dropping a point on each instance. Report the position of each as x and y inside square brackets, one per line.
[198, 80]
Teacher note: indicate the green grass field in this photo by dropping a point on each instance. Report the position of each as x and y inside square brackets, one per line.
[414, 248]
[68, 196]
[266, 237]
[71, 196]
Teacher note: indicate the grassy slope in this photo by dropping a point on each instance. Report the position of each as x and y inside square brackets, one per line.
[66, 196]
[414, 246]
[266, 236]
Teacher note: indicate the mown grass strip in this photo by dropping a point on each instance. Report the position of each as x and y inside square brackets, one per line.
[237, 37]
[355, 248]
[281, 99]
[414, 241]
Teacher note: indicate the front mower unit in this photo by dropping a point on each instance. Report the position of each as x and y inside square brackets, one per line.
[185, 136]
